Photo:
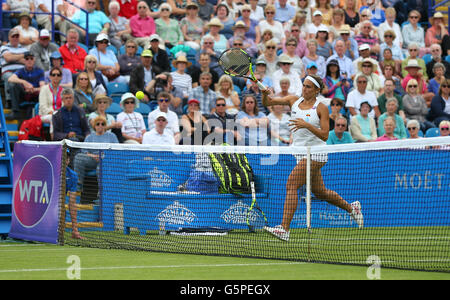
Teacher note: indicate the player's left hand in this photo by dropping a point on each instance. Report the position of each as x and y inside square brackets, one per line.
[296, 124]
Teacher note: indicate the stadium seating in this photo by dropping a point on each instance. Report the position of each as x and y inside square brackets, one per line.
[114, 109]
[432, 132]
[122, 50]
[427, 58]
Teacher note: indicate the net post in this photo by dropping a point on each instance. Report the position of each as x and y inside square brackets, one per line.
[62, 196]
[308, 188]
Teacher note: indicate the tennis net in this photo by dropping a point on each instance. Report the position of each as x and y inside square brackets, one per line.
[170, 199]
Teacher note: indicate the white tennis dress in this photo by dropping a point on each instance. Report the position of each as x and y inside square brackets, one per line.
[304, 137]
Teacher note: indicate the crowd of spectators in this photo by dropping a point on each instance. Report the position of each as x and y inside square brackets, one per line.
[385, 66]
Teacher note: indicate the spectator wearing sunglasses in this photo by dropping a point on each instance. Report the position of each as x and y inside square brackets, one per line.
[340, 135]
[25, 85]
[223, 125]
[444, 128]
[159, 134]
[413, 128]
[98, 21]
[164, 100]
[50, 96]
[88, 160]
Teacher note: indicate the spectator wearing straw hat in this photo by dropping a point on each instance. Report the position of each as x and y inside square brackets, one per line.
[413, 73]
[243, 42]
[159, 134]
[436, 32]
[133, 125]
[220, 41]
[43, 49]
[285, 64]
[368, 68]
[181, 79]
[88, 160]
[351, 46]
[28, 34]
[101, 104]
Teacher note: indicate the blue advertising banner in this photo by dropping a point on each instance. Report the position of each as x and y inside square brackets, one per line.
[37, 176]
[395, 188]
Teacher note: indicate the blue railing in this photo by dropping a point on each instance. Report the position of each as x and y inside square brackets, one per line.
[53, 12]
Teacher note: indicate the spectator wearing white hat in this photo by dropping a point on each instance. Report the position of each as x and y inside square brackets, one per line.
[160, 134]
[285, 63]
[107, 61]
[133, 125]
[43, 49]
[164, 99]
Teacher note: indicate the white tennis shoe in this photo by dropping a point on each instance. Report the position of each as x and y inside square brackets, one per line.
[278, 231]
[357, 214]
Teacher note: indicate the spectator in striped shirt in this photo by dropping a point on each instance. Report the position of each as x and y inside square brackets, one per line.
[364, 37]
[11, 59]
[204, 94]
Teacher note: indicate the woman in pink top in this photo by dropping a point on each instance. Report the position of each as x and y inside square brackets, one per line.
[437, 30]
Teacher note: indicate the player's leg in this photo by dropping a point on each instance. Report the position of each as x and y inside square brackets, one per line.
[296, 179]
[73, 215]
[320, 191]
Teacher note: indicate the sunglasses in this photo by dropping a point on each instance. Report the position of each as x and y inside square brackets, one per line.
[413, 50]
[221, 104]
[164, 100]
[270, 47]
[235, 44]
[388, 36]
[100, 124]
[129, 102]
[164, 9]
[15, 36]
[161, 120]
[367, 66]
[29, 58]
[412, 128]
[293, 45]
[445, 86]
[56, 74]
[335, 104]
[445, 128]
[413, 17]
[270, 12]
[412, 86]
[83, 78]
[103, 42]
[340, 125]
[362, 81]
[131, 47]
[91, 61]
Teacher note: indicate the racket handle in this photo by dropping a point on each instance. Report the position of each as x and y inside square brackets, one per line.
[260, 85]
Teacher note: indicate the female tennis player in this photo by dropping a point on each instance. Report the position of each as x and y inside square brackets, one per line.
[310, 127]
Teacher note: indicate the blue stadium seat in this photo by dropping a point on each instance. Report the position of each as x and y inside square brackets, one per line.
[153, 105]
[114, 109]
[143, 108]
[427, 58]
[113, 49]
[117, 88]
[84, 47]
[447, 58]
[432, 132]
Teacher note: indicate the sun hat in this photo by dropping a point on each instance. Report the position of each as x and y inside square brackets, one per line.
[183, 59]
[127, 96]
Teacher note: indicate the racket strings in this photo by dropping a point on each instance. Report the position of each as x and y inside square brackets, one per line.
[235, 62]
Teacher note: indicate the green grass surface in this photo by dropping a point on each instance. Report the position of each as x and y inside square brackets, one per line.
[42, 261]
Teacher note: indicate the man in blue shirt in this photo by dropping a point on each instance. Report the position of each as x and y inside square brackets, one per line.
[25, 85]
[69, 122]
[284, 12]
[339, 135]
[98, 21]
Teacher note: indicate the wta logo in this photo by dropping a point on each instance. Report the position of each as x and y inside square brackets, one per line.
[33, 191]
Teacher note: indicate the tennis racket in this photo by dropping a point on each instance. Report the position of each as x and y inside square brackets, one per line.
[237, 62]
[254, 220]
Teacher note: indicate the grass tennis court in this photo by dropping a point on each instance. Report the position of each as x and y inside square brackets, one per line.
[43, 261]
